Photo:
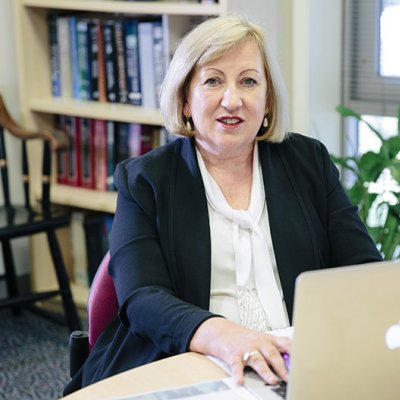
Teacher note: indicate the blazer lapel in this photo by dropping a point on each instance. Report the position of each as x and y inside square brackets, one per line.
[190, 227]
[289, 227]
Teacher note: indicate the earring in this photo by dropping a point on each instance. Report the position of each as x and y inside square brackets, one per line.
[188, 124]
[265, 122]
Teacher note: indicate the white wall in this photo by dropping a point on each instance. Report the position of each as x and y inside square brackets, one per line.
[305, 35]
[316, 70]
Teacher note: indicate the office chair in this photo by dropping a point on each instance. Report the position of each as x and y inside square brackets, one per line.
[102, 308]
[17, 221]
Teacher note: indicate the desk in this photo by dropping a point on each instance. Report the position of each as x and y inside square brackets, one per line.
[183, 369]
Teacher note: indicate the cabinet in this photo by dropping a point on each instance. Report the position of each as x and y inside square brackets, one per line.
[38, 106]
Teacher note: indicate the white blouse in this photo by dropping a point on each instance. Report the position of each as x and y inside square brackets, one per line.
[245, 285]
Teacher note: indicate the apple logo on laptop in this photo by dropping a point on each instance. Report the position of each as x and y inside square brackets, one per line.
[392, 337]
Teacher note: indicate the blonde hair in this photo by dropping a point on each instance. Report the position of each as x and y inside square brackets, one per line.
[205, 43]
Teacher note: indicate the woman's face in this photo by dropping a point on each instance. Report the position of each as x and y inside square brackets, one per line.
[227, 101]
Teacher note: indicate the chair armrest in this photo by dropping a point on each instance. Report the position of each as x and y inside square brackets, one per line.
[78, 351]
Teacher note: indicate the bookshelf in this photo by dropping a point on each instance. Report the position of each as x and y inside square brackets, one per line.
[38, 106]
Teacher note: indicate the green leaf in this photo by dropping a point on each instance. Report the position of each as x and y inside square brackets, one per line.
[393, 146]
[371, 165]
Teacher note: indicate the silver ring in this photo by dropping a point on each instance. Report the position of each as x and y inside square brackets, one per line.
[247, 355]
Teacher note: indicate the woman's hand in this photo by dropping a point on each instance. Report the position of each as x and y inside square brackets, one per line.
[239, 347]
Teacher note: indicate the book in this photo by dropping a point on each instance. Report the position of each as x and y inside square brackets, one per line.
[122, 142]
[110, 61]
[159, 59]
[83, 59]
[79, 249]
[140, 139]
[62, 155]
[97, 227]
[54, 55]
[101, 82]
[100, 151]
[74, 56]
[130, 31]
[64, 44]
[93, 54]
[146, 62]
[111, 158]
[71, 128]
[121, 61]
[86, 154]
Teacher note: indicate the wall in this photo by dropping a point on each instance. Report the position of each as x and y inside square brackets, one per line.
[305, 35]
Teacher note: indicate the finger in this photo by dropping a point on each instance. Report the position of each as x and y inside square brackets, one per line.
[260, 365]
[282, 343]
[237, 370]
[276, 361]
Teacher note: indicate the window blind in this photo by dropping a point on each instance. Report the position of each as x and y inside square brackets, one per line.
[366, 89]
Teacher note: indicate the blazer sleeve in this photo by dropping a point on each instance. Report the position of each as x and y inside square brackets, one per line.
[349, 240]
[140, 267]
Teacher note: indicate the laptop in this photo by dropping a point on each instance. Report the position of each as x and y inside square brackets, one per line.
[346, 341]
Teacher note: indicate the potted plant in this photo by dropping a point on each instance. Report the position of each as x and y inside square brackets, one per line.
[379, 209]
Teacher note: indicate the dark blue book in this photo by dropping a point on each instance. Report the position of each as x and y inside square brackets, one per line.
[132, 61]
[121, 61]
[83, 60]
[94, 27]
[110, 61]
[74, 57]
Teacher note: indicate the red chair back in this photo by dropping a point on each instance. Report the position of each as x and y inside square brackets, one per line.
[102, 302]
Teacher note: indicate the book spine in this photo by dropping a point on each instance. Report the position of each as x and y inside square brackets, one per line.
[159, 59]
[132, 61]
[94, 59]
[65, 56]
[72, 131]
[110, 61]
[146, 60]
[86, 154]
[82, 38]
[74, 57]
[101, 64]
[122, 141]
[110, 126]
[78, 247]
[100, 138]
[121, 61]
[62, 156]
[54, 55]
[146, 139]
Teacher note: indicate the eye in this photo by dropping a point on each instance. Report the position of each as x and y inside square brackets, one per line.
[212, 82]
[249, 82]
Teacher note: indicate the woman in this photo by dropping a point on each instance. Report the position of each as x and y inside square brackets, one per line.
[212, 229]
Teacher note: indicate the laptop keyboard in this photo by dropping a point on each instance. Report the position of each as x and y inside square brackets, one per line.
[280, 389]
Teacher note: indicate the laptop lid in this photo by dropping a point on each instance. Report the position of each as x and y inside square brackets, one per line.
[347, 334]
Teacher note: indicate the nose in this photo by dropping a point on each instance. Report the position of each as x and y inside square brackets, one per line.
[231, 99]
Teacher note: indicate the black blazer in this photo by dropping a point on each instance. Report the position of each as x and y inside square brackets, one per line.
[160, 243]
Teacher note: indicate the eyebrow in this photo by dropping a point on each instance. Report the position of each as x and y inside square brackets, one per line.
[242, 72]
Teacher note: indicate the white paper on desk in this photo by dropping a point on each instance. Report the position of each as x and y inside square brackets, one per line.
[222, 389]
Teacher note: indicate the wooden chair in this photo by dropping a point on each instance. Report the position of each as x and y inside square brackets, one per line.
[17, 221]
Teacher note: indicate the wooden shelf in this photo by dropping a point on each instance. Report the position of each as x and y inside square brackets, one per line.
[89, 199]
[93, 109]
[129, 7]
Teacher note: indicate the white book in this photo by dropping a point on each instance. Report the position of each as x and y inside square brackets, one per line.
[63, 37]
[146, 61]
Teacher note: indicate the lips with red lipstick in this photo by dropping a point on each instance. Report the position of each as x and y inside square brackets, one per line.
[229, 121]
